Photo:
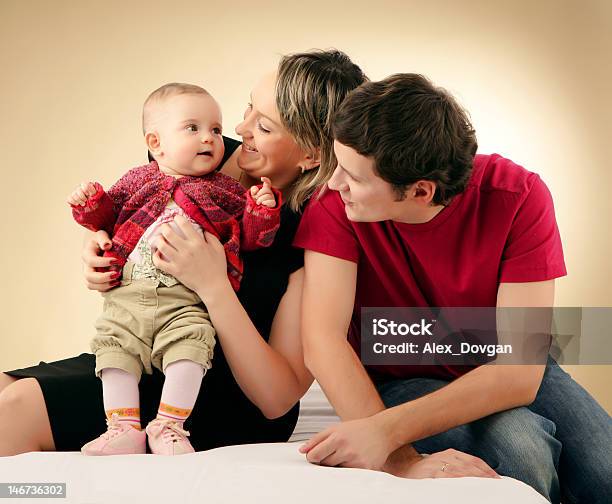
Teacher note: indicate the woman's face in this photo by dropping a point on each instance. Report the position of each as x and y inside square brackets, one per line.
[268, 150]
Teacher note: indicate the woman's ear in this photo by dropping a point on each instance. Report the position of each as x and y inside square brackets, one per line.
[152, 141]
[310, 161]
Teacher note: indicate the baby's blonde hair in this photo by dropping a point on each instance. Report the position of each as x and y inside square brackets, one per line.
[162, 94]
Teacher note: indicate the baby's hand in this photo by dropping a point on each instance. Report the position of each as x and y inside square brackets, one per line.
[264, 195]
[81, 194]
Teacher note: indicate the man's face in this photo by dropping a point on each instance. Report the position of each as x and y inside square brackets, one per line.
[189, 128]
[367, 197]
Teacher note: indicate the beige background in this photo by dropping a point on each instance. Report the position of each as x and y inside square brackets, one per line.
[534, 74]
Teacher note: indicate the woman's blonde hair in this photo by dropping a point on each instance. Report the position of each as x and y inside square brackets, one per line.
[310, 88]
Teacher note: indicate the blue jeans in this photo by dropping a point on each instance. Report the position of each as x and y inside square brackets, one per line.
[561, 444]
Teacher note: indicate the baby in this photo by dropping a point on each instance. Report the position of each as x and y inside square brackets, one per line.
[151, 319]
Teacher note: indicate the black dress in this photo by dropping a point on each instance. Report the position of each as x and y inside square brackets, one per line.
[222, 415]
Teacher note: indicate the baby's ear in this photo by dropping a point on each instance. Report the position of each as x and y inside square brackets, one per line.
[152, 141]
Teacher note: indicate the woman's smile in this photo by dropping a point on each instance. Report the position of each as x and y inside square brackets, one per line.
[248, 148]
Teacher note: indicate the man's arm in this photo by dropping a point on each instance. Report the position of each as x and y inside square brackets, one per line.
[326, 312]
[481, 392]
[478, 393]
[327, 306]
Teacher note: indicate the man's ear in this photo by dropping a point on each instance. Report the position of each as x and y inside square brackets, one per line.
[312, 160]
[423, 190]
[152, 141]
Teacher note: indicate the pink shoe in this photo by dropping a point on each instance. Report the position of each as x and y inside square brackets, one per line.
[119, 439]
[166, 437]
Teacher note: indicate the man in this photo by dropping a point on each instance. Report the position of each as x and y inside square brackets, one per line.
[415, 218]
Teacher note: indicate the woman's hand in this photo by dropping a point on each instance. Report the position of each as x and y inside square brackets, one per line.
[94, 245]
[198, 262]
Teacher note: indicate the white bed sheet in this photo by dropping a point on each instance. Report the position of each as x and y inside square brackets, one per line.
[272, 473]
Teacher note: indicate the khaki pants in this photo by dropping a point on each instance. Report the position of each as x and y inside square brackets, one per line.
[145, 324]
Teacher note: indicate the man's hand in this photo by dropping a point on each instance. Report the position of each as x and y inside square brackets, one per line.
[361, 443]
[446, 464]
[263, 195]
[365, 444]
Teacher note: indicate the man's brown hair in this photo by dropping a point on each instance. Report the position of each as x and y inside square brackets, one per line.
[413, 130]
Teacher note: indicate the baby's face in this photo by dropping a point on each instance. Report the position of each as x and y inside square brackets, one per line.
[189, 128]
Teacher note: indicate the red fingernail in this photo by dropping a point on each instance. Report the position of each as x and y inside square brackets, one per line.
[116, 274]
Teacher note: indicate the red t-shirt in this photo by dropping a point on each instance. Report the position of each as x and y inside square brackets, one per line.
[502, 228]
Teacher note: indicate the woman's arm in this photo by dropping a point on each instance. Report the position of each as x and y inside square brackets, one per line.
[272, 375]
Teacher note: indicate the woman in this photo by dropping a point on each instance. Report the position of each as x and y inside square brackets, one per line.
[251, 394]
